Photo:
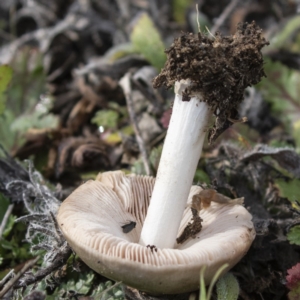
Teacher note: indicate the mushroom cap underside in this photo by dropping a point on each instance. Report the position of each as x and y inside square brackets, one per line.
[91, 219]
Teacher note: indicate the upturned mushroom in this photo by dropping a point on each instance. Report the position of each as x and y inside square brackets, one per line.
[92, 220]
[173, 237]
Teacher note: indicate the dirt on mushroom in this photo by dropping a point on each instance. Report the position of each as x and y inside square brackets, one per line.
[219, 68]
[192, 228]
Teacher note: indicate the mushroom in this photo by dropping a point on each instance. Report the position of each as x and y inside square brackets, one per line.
[91, 219]
[210, 76]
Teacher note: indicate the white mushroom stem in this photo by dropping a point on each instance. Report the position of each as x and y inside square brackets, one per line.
[181, 153]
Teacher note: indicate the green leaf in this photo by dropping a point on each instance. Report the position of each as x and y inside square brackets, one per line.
[12, 246]
[214, 279]
[9, 225]
[288, 188]
[5, 78]
[36, 119]
[108, 290]
[80, 285]
[294, 235]
[227, 287]
[201, 177]
[127, 130]
[206, 295]
[106, 118]
[83, 285]
[6, 244]
[146, 40]
[155, 157]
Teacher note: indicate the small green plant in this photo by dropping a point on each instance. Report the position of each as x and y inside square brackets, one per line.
[21, 104]
[108, 119]
[138, 166]
[109, 290]
[147, 41]
[206, 295]
[227, 287]
[281, 89]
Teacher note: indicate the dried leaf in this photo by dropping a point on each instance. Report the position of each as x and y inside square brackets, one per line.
[82, 153]
[287, 158]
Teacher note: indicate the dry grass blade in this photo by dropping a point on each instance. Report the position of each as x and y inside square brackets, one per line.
[125, 84]
[13, 280]
[5, 218]
[59, 260]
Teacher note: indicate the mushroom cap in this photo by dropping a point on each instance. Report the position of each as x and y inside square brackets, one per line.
[92, 216]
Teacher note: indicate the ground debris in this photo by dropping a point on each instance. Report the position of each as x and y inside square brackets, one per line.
[287, 158]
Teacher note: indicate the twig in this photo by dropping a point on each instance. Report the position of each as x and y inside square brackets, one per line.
[13, 280]
[158, 139]
[5, 218]
[224, 15]
[6, 278]
[61, 258]
[59, 235]
[126, 86]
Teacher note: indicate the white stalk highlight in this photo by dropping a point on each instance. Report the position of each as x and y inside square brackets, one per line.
[181, 153]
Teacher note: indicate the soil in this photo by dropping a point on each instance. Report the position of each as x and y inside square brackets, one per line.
[219, 69]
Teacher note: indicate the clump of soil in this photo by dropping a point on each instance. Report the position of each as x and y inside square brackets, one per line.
[219, 68]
